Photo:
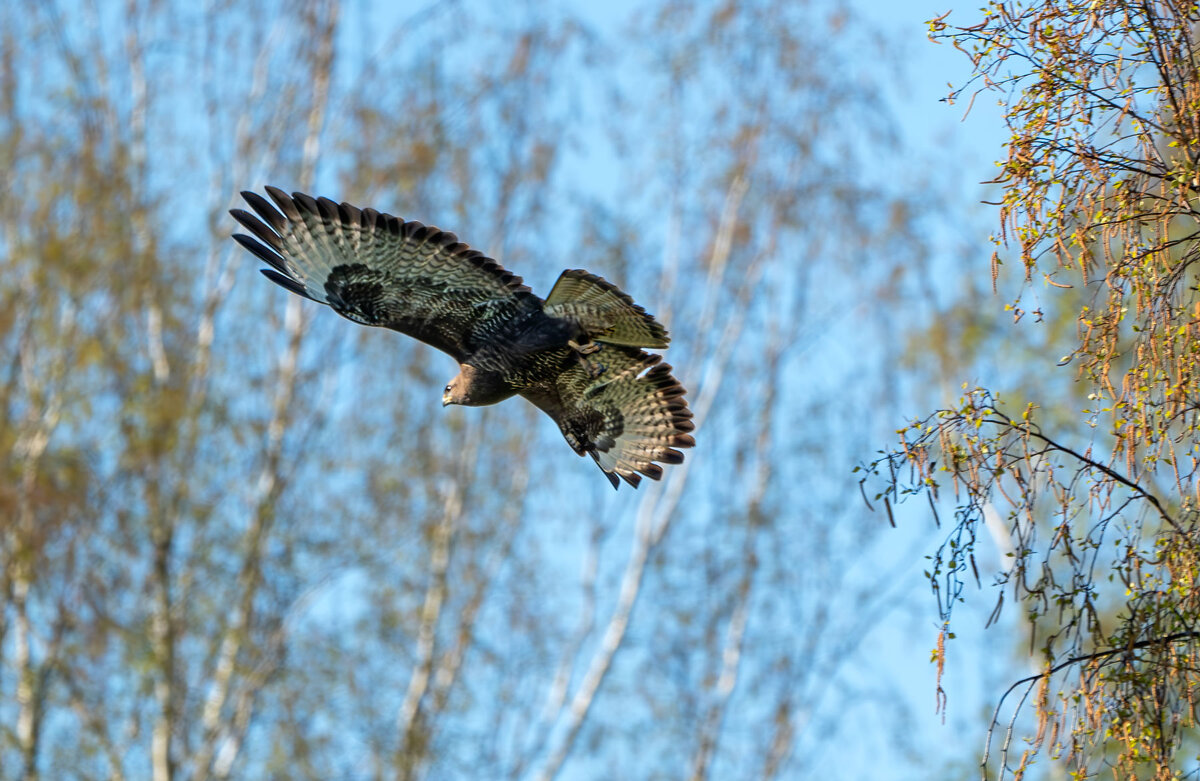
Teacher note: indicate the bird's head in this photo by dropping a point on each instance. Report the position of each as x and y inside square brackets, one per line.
[475, 388]
[459, 389]
[453, 393]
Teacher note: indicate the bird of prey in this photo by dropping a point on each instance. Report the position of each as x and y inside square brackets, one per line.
[575, 355]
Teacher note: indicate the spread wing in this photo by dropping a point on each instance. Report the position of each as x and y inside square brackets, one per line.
[377, 269]
[629, 416]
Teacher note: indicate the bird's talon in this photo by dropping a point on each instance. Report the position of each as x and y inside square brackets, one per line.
[583, 349]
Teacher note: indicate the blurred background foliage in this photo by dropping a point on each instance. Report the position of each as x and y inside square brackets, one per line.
[240, 536]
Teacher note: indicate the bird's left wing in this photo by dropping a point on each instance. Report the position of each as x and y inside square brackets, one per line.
[376, 269]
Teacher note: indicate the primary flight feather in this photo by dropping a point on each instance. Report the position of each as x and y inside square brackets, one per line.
[575, 355]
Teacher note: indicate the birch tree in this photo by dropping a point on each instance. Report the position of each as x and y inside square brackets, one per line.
[1093, 500]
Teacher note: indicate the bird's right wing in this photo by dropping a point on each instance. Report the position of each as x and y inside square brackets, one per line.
[376, 269]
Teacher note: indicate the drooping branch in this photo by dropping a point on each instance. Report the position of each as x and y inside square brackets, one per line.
[1035, 431]
[1058, 667]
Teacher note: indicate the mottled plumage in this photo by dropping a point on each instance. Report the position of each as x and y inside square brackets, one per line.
[577, 355]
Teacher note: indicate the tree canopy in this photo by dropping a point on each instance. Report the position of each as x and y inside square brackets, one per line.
[1094, 504]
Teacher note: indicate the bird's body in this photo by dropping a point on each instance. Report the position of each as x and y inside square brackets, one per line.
[575, 355]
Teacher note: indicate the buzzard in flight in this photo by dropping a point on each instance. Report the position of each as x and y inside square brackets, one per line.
[576, 355]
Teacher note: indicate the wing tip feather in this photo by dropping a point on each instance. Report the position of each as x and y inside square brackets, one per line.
[286, 282]
[261, 251]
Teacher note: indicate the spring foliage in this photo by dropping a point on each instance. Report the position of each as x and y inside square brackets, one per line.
[1099, 517]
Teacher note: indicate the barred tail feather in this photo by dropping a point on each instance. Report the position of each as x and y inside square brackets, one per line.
[644, 419]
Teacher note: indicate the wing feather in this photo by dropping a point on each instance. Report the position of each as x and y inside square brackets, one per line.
[377, 269]
[265, 210]
[603, 311]
[286, 282]
[261, 251]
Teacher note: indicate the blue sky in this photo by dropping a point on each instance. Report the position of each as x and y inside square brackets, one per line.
[981, 663]
[896, 653]
[897, 650]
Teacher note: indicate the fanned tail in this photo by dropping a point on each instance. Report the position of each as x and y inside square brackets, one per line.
[630, 419]
[655, 421]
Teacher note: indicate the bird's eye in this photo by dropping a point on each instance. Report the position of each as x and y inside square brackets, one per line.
[447, 389]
